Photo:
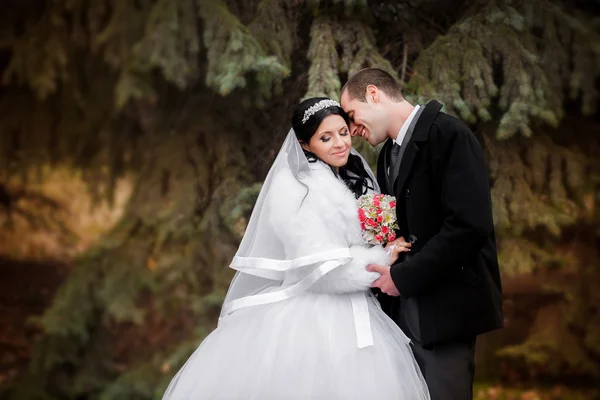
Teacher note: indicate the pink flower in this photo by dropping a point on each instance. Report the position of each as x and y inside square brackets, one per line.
[375, 226]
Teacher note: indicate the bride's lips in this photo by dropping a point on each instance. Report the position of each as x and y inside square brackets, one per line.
[341, 153]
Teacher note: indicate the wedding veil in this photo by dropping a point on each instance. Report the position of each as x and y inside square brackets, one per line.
[261, 260]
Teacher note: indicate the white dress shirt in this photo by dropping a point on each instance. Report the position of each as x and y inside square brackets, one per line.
[404, 127]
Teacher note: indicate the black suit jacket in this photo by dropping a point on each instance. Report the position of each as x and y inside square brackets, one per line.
[444, 207]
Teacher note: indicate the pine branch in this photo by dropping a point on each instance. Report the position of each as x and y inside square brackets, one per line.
[529, 191]
[457, 67]
[323, 79]
[358, 50]
[274, 30]
[169, 43]
[233, 52]
[39, 55]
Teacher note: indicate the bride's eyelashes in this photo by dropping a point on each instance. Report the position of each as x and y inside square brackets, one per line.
[326, 138]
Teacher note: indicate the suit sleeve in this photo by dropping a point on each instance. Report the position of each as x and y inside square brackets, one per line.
[467, 221]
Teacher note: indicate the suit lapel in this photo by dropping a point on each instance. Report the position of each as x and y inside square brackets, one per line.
[405, 165]
[420, 134]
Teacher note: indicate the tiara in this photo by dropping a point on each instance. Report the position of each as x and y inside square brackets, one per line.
[318, 107]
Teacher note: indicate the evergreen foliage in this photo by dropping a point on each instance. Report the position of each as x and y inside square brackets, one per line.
[532, 42]
[174, 93]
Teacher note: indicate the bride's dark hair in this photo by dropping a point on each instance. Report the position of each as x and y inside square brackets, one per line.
[353, 173]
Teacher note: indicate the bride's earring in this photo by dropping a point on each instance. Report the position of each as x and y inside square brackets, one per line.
[311, 157]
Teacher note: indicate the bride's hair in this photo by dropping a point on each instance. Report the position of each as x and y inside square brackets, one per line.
[353, 173]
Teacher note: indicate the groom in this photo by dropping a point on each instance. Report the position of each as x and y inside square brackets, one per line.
[447, 289]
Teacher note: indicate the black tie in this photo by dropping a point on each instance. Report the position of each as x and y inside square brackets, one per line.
[393, 173]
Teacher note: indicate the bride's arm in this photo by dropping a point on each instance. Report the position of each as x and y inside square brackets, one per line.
[301, 225]
[353, 276]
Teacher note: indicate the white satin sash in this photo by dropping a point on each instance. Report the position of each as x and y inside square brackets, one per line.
[332, 258]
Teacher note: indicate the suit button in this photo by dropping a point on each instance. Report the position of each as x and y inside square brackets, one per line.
[412, 238]
[407, 193]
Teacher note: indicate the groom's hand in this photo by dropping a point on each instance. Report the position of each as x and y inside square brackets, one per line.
[385, 282]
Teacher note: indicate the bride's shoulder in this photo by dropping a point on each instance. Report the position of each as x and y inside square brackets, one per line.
[284, 182]
[310, 188]
[322, 178]
[285, 195]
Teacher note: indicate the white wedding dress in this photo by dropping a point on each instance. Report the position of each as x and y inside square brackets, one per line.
[311, 328]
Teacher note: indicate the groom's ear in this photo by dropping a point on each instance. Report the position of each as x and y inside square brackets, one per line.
[372, 94]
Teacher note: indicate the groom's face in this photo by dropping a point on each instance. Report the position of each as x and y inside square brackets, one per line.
[367, 118]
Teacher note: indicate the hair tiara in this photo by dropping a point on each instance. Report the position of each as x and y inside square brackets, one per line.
[318, 107]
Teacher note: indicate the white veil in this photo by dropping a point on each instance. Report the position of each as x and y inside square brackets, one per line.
[261, 259]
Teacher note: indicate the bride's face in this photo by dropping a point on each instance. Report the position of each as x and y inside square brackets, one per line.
[331, 142]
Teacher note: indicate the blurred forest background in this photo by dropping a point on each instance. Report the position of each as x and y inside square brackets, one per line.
[134, 135]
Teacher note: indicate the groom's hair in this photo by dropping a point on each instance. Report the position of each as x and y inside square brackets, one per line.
[357, 84]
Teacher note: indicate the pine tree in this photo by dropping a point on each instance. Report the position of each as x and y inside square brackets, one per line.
[191, 99]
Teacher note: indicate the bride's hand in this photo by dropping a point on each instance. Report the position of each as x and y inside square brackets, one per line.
[396, 247]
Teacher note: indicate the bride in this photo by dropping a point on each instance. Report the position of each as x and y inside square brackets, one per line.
[299, 321]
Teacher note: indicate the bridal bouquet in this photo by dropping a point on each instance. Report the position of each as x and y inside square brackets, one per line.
[377, 216]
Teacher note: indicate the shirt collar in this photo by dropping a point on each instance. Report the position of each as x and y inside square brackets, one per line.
[405, 126]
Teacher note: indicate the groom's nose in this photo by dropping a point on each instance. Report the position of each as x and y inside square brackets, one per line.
[353, 129]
